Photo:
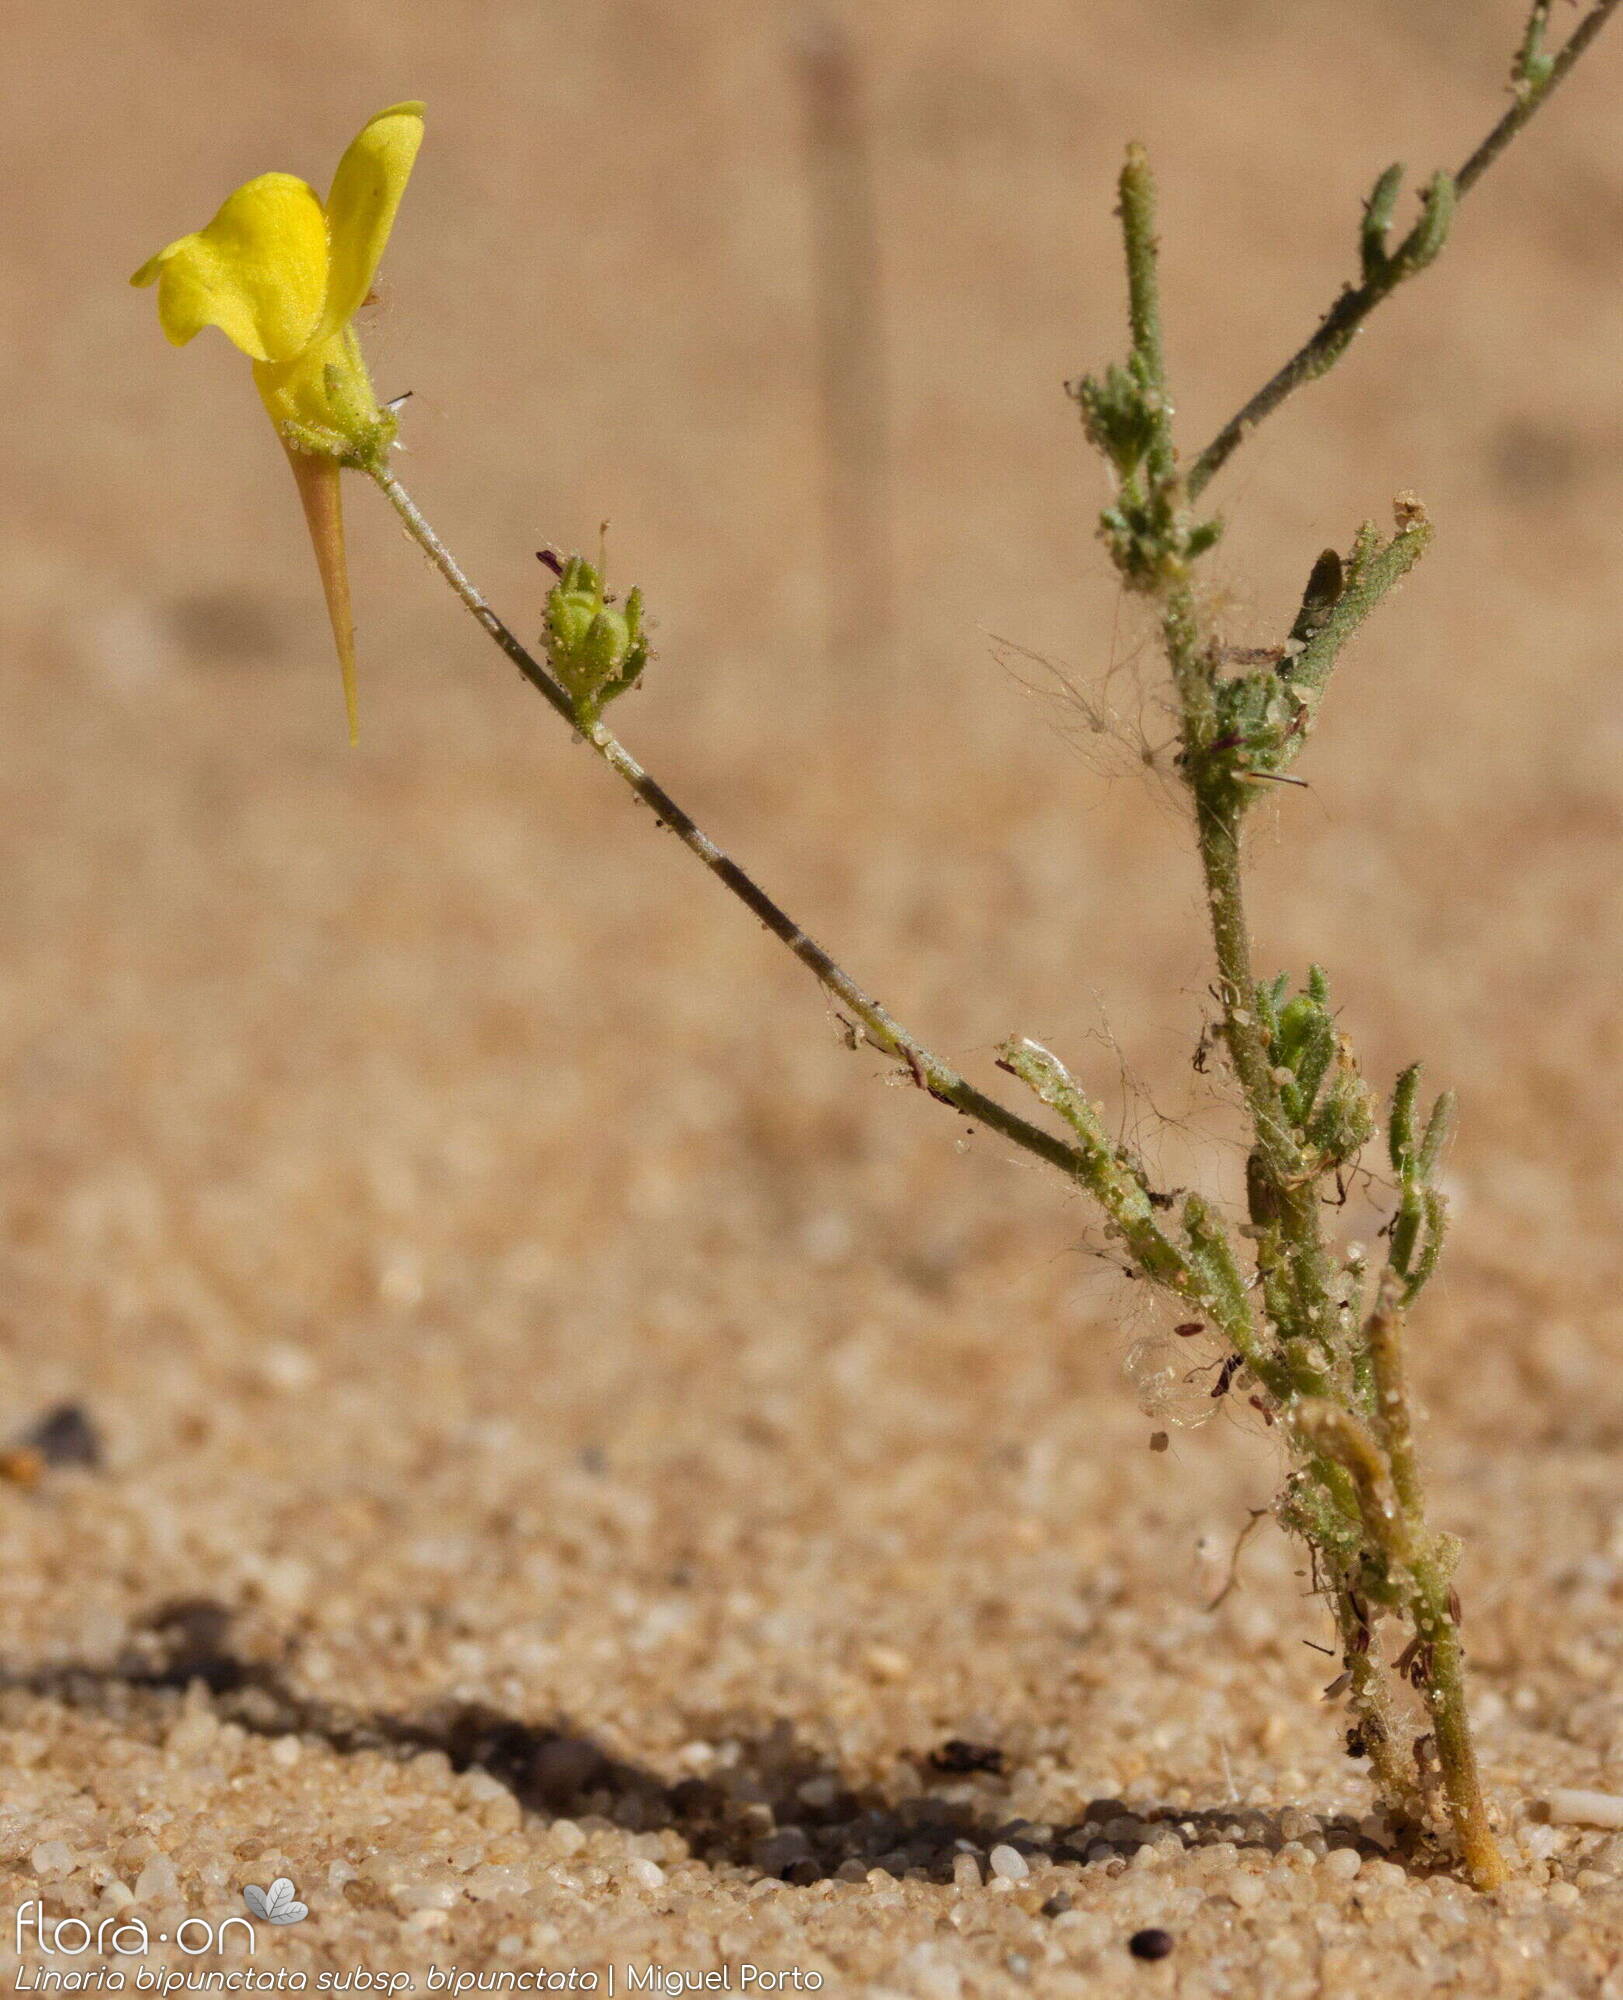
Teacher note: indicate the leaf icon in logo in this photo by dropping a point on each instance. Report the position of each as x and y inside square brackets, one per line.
[279, 1904]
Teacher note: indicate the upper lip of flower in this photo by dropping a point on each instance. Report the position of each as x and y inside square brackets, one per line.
[279, 271]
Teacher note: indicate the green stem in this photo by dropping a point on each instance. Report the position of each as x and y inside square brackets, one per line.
[1219, 813]
[1367, 1476]
[1219, 810]
[1444, 1690]
[1531, 95]
[1370, 1699]
[1387, 1481]
[886, 1034]
[1115, 1180]
[1204, 1276]
[1383, 1342]
[1433, 1606]
[1137, 191]
[1330, 339]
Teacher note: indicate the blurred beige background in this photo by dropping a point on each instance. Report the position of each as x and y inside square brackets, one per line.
[385, 1129]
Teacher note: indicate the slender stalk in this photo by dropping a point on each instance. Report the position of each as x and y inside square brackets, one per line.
[1116, 1179]
[1383, 1340]
[1434, 1607]
[1219, 804]
[1200, 1275]
[1444, 1690]
[1137, 191]
[1285, 1191]
[1357, 1497]
[1357, 302]
[1532, 90]
[928, 1071]
[1370, 1700]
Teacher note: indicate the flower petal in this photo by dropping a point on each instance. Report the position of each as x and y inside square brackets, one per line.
[258, 271]
[361, 206]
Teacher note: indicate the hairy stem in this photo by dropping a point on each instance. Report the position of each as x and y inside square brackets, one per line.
[1114, 1178]
[887, 1035]
[1203, 1274]
[1137, 191]
[1437, 1625]
[1358, 1499]
[1288, 1198]
[1370, 1699]
[1383, 1341]
[1355, 304]
[1435, 1609]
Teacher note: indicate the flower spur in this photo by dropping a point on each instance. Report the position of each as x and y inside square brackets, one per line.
[282, 275]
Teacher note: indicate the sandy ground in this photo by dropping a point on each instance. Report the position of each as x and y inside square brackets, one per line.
[569, 1424]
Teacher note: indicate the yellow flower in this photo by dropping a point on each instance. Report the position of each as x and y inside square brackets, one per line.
[283, 276]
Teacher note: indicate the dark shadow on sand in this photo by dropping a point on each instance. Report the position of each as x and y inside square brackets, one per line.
[778, 1809]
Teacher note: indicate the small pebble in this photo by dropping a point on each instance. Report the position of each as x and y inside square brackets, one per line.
[1342, 1865]
[934, 1976]
[286, 1367]
[966, 1871]
[156, 1880]
[1150, 1944]
[646, 1874]
[419, 1896]
[67, 1435]
[494, 1883]
[1247, 1891]
[1574, 1808]
[1009, 1863]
